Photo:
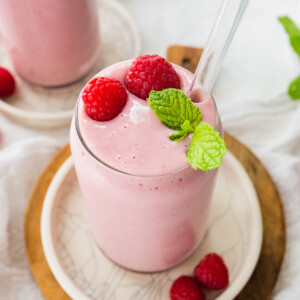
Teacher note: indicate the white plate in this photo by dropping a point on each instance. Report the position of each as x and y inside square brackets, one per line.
[51, 107]
[234, 231]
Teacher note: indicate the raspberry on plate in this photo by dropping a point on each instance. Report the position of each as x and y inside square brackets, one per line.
[151, 72]
[186, 288]
[104, 98]
[212, 272]
[7, 83]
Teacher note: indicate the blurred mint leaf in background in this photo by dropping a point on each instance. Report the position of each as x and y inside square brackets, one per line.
[294, 89]
[295, 42]
[294, 33]
[289, 26]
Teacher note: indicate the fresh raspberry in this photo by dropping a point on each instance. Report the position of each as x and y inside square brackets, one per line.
[151, 72]
[212, 273]
[186, 288]
[104, 98]
[7, 83]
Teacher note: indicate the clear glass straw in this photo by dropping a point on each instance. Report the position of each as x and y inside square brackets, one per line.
[218, 42]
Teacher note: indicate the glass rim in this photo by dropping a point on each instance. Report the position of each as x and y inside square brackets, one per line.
[87, 148]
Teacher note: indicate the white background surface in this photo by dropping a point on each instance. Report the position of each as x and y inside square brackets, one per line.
[250, 93]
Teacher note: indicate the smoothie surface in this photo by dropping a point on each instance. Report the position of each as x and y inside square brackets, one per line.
[136, 142]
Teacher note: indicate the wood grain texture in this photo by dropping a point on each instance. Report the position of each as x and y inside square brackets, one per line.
[260, 285]
[262, 282]
[37, 260]
[186, 57]
[264, 277]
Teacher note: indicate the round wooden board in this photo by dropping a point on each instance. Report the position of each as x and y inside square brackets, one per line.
[260, 285]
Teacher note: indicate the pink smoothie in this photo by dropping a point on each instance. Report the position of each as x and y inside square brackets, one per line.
[146, 205]
[51, 43]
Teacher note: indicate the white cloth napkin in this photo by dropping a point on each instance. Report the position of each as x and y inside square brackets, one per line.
[271, 128]
[21, 165]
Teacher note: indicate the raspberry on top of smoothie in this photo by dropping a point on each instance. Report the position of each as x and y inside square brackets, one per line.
[151, 72]
[104, 98]
[136, 141]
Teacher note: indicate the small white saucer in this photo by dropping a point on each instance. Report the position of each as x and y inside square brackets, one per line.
[52, 107]
[234, 231]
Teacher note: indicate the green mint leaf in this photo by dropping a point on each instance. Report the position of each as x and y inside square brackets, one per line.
[294, 89]
[293, 31]
[173, 107]
[206, 149]
[186, 129]
[289, 26]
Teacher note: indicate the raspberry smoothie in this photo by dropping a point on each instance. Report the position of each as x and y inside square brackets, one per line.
[51, 43]
[147, 206]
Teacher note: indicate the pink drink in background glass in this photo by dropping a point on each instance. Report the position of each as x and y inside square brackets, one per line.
[146, 205]
[51, 43]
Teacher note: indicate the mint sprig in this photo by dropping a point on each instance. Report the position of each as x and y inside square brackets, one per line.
[175, 110]
[290, 27]
[294, 34]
